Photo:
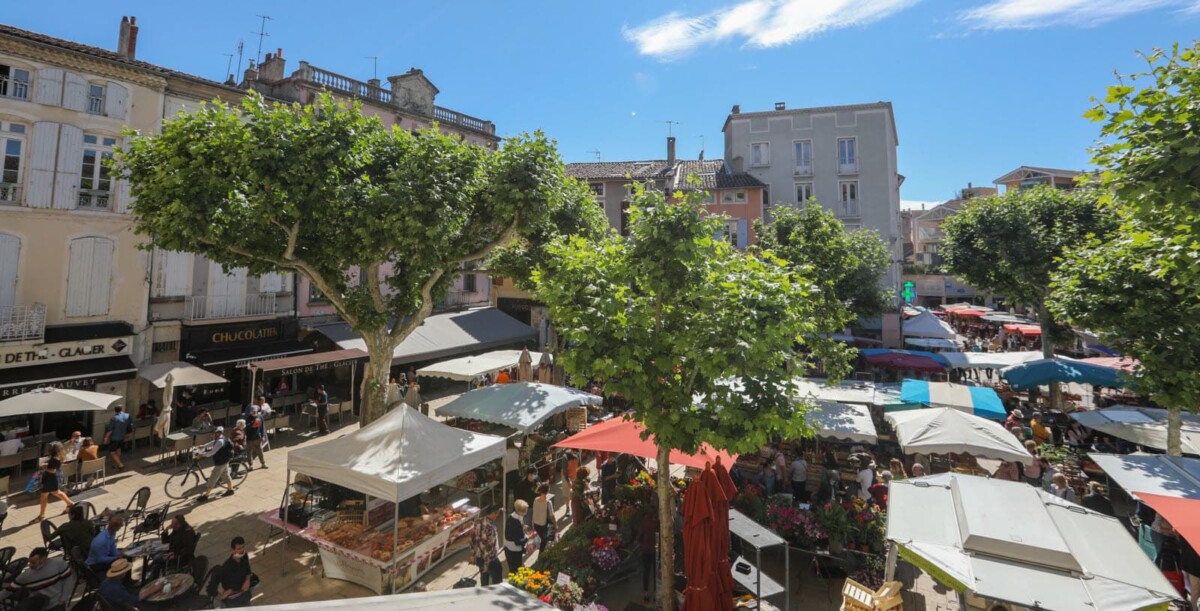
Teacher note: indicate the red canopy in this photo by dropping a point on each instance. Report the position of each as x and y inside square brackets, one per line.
[900, 360]
[1116, 362]
[699, 537]
[625, 437]
[1183, 514]
[1023, 329]
[965, 313]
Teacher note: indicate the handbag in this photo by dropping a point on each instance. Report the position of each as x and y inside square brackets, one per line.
[35, 484]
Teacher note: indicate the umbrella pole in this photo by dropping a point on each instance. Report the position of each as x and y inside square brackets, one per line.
[758, 583]
[787, 579]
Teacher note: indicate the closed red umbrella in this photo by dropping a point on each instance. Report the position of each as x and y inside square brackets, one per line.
[698, 562]
[722, 483]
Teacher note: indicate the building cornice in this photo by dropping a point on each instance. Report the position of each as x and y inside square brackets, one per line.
[119, 71]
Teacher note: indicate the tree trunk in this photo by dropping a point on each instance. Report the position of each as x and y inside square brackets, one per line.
[666, 530]
[375, 378]
[1045, 323]
[1174, 424]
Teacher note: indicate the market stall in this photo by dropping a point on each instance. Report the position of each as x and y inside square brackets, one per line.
[842, 422]
[621, 436]
[988, 360]
[1049, 371]
[980, 401]
[1145, 426]
[520, 405]
[949, 431]
[961, 530]
[472, 368]
[391, 461]
[926, 324]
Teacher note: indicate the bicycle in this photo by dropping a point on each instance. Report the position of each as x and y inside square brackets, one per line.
[193, 479]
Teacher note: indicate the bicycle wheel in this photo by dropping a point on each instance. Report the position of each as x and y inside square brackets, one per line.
[186, 483]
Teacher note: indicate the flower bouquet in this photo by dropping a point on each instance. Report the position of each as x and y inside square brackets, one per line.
[562, 596]
[534, 582]
[605, 558]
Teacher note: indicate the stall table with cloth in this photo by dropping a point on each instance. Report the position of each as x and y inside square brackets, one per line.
[390, 461]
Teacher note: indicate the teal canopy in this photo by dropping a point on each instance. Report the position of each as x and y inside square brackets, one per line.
[1048, 371]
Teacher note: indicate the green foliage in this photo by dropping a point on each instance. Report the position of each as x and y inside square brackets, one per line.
[847, 265]
[379, 219]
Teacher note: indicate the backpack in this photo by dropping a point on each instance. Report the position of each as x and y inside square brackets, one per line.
[223, 454]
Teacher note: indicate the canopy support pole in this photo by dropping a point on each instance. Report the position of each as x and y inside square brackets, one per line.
[395, 544]
[287, 504]
[889, 567]
[758, 583]
[787, 568]
[353, 381]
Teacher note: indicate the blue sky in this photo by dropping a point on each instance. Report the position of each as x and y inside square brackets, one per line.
[979, 86]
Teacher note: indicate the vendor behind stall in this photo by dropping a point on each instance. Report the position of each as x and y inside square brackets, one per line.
[412, 507]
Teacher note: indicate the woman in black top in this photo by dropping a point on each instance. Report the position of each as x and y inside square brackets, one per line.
[50, 480]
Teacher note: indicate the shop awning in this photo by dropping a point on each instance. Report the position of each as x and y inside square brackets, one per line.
[520, 405]
[501, 597]
[82, 374]
[968, 313]
[625, 437]
[1144, 426]
[988, 360]
[980, 401]
[846, 392]
[1010, 542]
[398, 456]
[930, 342]
[842, 422]
[445, 335]
[308, 363]
[1123, 363]
[1168, 484]
[244, 355]
[469, 368]
[1047, 371]
[184, 374]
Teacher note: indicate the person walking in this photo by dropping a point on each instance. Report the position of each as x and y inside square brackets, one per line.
[256, 430]
[543, 515]
[233, 577]
[647, 540]
[221, 452]
[114, 435]
[515, 537]
[50, 481]
[322, 410]
[485, 547]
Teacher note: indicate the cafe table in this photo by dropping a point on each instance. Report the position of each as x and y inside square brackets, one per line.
[180, 584]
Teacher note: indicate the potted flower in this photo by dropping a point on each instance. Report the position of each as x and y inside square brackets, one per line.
[836, 522]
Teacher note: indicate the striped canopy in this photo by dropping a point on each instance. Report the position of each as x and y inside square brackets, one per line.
[977, 400]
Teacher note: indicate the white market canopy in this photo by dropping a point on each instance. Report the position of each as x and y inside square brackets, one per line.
[444, 335]
[489, 598]
[1145, 426]
[931, 342]
[185, 374]
[926, 324]
[842, 422]
[943, 430]
[1152, 473]
[846, 392]
[398, 456]
[519, 405]
[988, 360]
[1008, 541]
[55, 400]
[469, 368]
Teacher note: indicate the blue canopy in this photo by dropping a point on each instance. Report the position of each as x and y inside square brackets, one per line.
[1047, 371]
[979, 401]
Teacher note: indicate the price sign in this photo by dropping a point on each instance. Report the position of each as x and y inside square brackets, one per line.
[563, 579]
[612, 527]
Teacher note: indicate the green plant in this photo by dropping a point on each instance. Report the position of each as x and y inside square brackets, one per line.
[835, 521]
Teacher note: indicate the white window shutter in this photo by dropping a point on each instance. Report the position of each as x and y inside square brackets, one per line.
[78, 274]
[115, 102]
[172, 273]
[75, 92]
[49, 86]
[40, 189]
[101, 277]
[121, 193]
[270, 283]
[70, 163]
[10, 256]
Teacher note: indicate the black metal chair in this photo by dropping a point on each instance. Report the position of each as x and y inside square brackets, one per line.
[6, 556]
[33, 602]
[86, 576]
[89, 510]
[50, 537]
[136, 508]
[151, 523]
[87, 602]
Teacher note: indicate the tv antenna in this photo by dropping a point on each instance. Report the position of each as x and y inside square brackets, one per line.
[671, 125]
[228, 65]
[262, 33]
[701, 142]
[374, 65]
[241, 49]
[595, 152]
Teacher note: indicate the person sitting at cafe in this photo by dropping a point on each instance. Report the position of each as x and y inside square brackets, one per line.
[180, 538]
[78, 531]
[282, 386]
[116, 593]
[147, 411]
[103, 550]
[73, 444]
[202, 420]
[50, 577]
[232, 579]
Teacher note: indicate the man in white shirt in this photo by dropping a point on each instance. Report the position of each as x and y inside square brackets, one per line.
[9, 447]
[799, 479]
[866, 478]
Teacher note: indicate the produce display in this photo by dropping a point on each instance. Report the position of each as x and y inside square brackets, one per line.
[377, 544]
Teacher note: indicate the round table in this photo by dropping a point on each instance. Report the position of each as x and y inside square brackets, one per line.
[180, 584]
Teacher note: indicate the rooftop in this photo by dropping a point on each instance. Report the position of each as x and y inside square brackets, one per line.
[713, 174]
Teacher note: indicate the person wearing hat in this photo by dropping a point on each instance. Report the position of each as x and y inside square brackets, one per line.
[221, 452]
[1014, 420]
[114, 591]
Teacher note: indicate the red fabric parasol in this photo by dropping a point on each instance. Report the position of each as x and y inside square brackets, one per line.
[723, 484]
[1023, 329]
[699, 563]
[967, 313]
[899, 360]
[1183, 514]
[625, 437]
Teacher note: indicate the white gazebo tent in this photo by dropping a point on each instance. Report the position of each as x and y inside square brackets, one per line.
[396, 457]
[989, 360]
[1010, 542]
[1145, 426]
[926, 324]
[470, 368]
[842, 422]
[1152, 473]
[944, 430]
[520, 405]
[846, 392]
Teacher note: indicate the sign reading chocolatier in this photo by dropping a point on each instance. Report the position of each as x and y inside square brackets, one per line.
[244, 334]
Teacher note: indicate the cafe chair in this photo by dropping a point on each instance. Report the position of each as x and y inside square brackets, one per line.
[88, 578]
[88, 602]
[136, 508]
[50, 538]
[69, 471]
[91, 468]
[6, 556]
[89, 510]
[33, 602]
[151, 523]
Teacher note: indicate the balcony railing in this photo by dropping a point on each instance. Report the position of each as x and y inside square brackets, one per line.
[465, 299]
[849, 208]
[445, 115]
[209, 307]
[929, 235]
[22, 323]
[92, 199]
[10, 194]
[14, 88]
[804, 170]
[848, 168]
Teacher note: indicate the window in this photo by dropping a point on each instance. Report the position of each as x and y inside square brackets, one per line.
[270, 283]
[849, 197]
[709, 198]
[847, 155]
[733, 197]
[625, 218]
[95, 184]
[804, 192]
[852, 226]
[469, 283]
[12, 145]
[89, 276]
[95, 102]
[172, 274]
[14, 82]
[804, 157]
[315, 295]
[597, 189]
[760, 154]
[737, 232]
[731, 231]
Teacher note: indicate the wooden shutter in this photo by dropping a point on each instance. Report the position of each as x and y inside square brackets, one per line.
[172, 273]
[121, 195]
[10, 257]
[115, 96]
[49, 86]
[743, 230]
[70, 163]
[80, 269]
[270, 283]
[75, 92]
[39, 193]
[100, 282]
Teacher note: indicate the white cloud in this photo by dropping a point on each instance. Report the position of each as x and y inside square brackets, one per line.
[760, 23]
[1029, 14]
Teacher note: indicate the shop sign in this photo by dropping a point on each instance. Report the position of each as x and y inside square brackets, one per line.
[84, 383]
[229, 336]
[313, 368]
[46, 354]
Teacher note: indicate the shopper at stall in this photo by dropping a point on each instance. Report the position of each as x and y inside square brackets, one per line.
[515, 537]
[78, 531]
[918, 470]
[799, 479]
[1008, 470]
[780, 465]
[103, 550]
[233, 577]
[766, 477]
[119, 426]
[322, 401]
[1061, 489]
[647, 540]
[485, 547]
[579, 507]
[221, 452]
[1096, 501]
[1041, 433]
[865, 477]
[608, 479]
[543, 515]
[56, 453]
[897, 469]
[526, 489]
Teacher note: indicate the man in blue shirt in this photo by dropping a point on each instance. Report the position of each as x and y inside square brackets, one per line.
[103, 550]
[114, 592]
[118, 426]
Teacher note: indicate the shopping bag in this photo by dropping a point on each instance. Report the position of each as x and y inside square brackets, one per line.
[35, 484]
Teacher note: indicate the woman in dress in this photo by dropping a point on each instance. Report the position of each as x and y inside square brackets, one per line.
[579, 508]
[50, 480]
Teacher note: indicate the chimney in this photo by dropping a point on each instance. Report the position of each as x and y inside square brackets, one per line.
[271, 68]
[670, 151]
[413, 91]
[251, 74]
[737, 108]
[701, 154]
[780, 106]
[127, 38]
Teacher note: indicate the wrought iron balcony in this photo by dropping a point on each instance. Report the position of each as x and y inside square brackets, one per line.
[210, 307]
[22, 323]
[92, 199]
[10, 194]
